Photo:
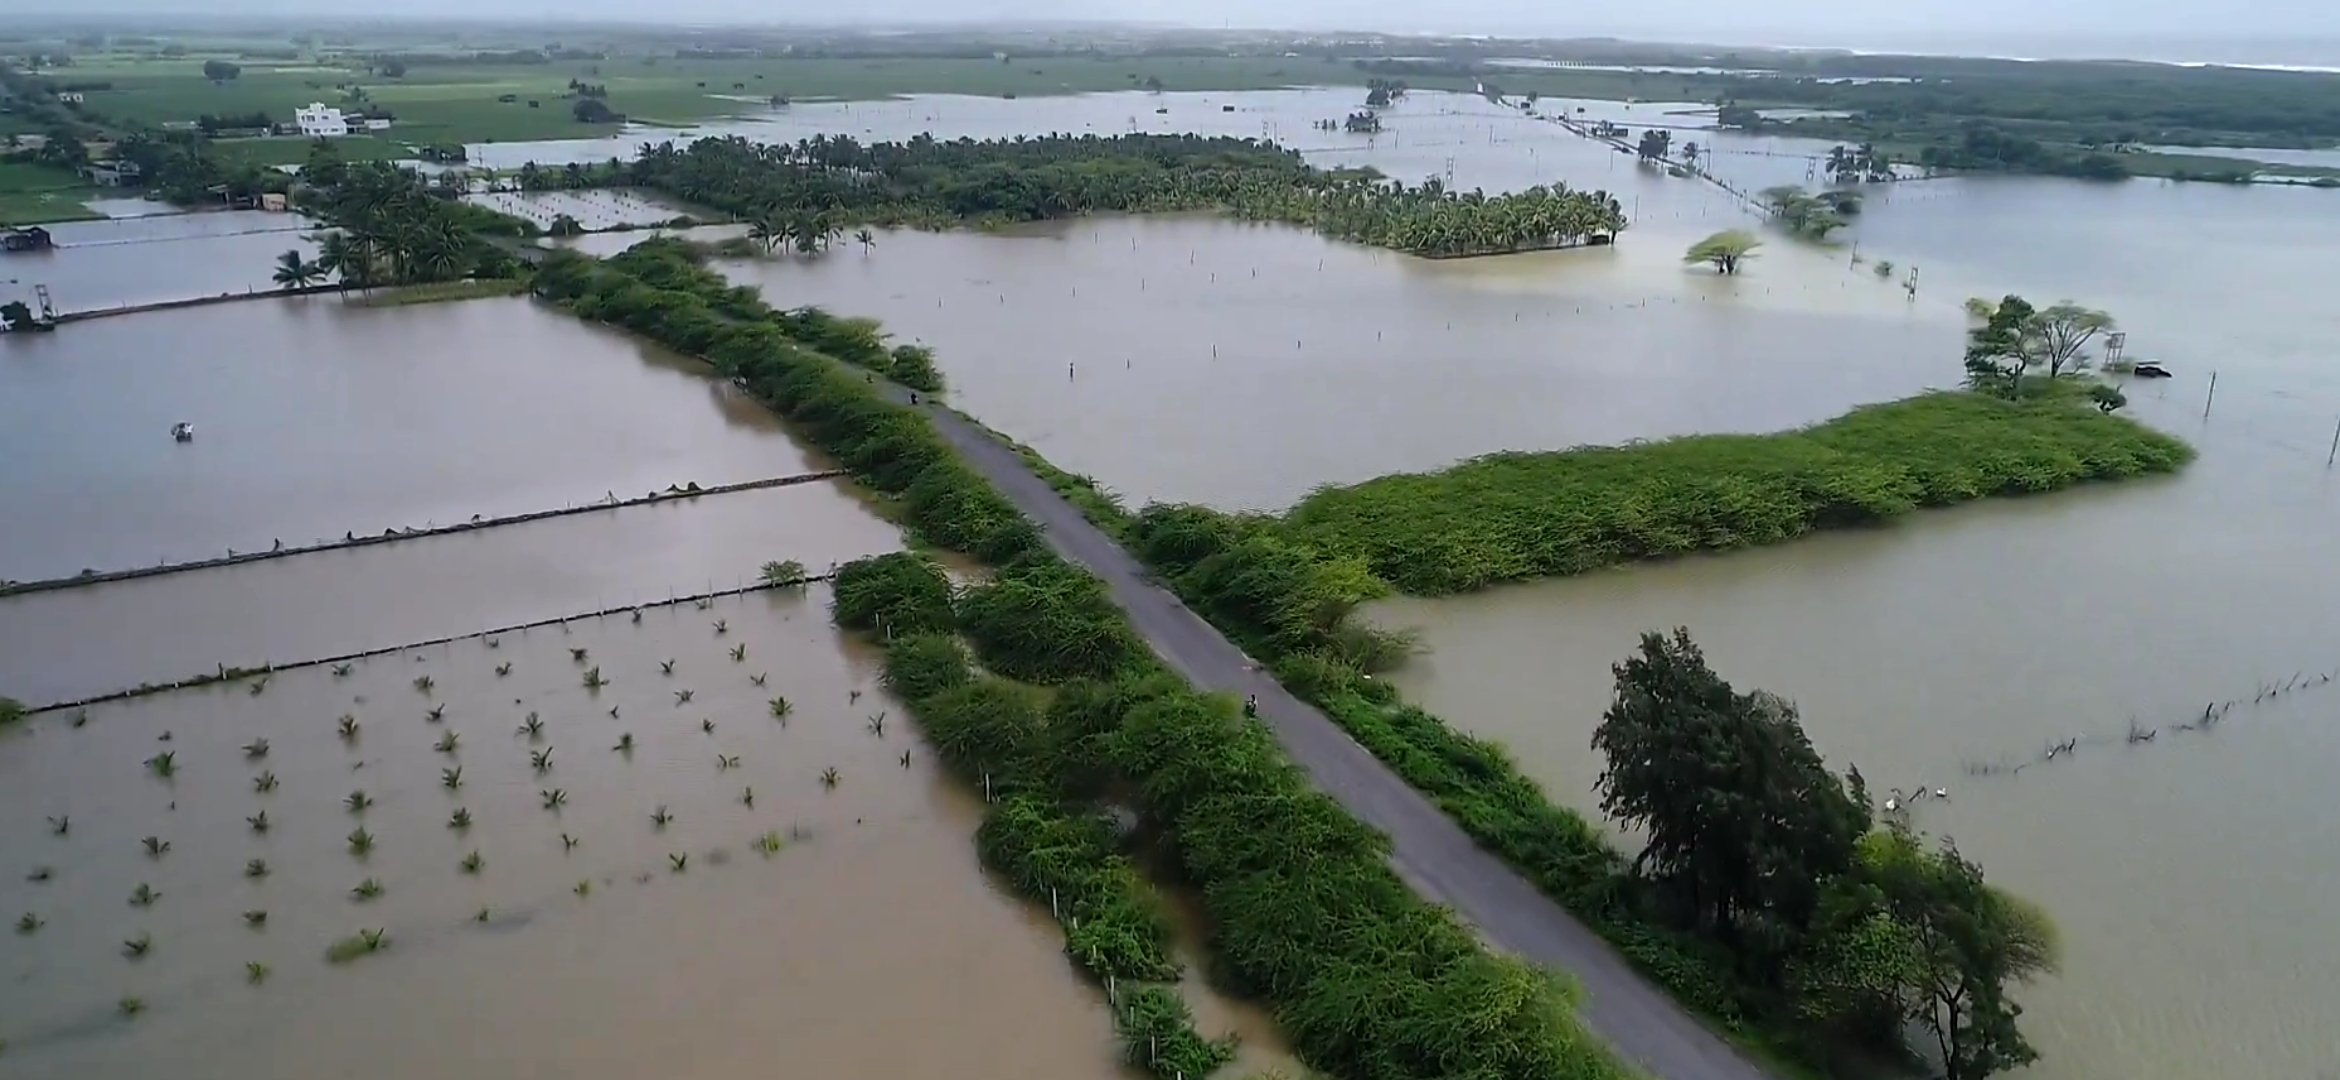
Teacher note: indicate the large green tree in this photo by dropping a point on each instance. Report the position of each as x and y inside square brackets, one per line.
[1913, 935]
[2012, 339]
[1744, 823]
[1725, 250]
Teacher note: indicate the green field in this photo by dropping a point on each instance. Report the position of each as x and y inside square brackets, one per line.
[457, 102]
[32, 194]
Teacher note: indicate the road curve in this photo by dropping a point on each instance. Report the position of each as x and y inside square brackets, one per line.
[1640, 1021]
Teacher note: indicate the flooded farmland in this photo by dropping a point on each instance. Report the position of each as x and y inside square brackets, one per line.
[735, 850]
[315, 418]
[2180, 870]
[612, 945]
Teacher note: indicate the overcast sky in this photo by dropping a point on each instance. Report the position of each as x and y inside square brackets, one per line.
[2146, 28]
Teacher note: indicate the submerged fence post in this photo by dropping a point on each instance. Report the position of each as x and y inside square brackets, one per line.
[2334, 453]
[2211, 396]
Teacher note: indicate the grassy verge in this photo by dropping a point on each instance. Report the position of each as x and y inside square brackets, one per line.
[1365, 977]
[33, 194]
[439, 291]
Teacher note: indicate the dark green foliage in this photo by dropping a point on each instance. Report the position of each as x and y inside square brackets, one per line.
[892, 594]
[11, 710]
[1045, 621]
[922, 665]
[1157, 1035]
[1515, 516]
[1743, 825]
[1115, 925]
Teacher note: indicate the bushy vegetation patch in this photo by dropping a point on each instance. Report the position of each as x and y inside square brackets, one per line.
[1515, 516]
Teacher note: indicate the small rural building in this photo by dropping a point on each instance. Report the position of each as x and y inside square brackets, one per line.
[318, 120]
[377, 123]
[116, 173]
[30, 238]
[70, 97]
[272, 200]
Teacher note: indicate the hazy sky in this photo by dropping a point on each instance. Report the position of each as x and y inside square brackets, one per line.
[1998, 26]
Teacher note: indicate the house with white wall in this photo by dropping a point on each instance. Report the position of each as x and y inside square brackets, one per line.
[318, 120]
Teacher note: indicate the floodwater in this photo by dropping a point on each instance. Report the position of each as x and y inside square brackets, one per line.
[869, 945]
[155, 257]
[69, 644]
[2181, 869]
[594, 209]
[315, 418]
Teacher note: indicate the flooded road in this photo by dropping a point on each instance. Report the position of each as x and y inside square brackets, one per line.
[869, 944]
[315, 418]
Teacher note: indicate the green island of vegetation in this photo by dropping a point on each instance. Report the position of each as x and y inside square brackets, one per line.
[806, 194]
[1819, 941]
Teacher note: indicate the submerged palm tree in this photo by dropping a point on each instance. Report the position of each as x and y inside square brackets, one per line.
[739, 652]
[144, 895]
[531, 727]
[255, 919]
[257, 868]
[358, 801]
[361, 842]
[555, 799]
[436, 713]
[829, 777]
[660, 817]
[259, 821]
[758, 678]
[683, 697]
[341, 671]
[726, 762]
[61, 824]
[877, 725]
[451, 779]
[138, 946]
[446, 743]
[503, 669]
[131, 1006]
[28, 922]
[625, 743]
[680, 861]
[781, 708]
[348, 728]
[577, 655]
[265, 782]
[255, 972]
[472, 862]
[541, 760]
[165, 764]
[460, 819]
[424, 683]
[594, 681]
[257, 748]
[366, 890]
[666, 667]
[155, 846]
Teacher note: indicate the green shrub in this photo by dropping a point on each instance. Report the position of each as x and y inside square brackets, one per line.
[892, 594]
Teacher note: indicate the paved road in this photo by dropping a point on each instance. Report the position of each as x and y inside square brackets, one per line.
[1435, 855]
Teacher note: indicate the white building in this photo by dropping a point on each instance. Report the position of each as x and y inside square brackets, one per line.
[320, 121]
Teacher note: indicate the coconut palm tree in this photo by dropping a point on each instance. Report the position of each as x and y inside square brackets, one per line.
[295, 272]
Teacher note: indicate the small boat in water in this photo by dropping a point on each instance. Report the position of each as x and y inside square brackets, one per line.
[2149, 369]
[183, 431]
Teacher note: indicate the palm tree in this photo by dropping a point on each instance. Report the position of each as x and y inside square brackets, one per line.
[866, 240]
[294, 272]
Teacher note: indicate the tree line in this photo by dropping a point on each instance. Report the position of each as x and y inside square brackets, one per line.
[391, 226]
[828, 183]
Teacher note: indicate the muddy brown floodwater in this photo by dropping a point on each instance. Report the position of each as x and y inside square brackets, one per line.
[2182, 870]
[868, 945]
[314, 418]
